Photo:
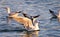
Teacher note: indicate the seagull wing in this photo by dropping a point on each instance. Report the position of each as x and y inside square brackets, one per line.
[26, 15]
[36, 16]
[52, 12]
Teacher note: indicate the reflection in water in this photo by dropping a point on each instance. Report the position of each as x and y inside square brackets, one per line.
[31, 34]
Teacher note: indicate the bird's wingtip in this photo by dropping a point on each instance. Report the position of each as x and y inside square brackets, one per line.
[50, 10]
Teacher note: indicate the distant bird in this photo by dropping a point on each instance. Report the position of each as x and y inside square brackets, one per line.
[23, 20]
[55, 16]
[52, 12]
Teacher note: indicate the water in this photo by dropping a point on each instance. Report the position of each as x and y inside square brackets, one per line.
[48, 28]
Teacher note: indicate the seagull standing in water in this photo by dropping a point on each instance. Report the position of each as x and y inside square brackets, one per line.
[23, 20]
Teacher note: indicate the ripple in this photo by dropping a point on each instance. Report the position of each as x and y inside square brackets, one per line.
[31, 7]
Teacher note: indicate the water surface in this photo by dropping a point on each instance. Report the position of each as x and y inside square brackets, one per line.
[48, 28]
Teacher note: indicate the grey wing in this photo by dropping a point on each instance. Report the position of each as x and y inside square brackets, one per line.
[36, 16]
[26, 15]
[52, 12]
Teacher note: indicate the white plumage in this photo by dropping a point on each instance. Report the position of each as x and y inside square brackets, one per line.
[23, 20]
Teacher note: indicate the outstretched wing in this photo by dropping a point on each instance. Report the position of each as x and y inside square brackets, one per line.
[26, 15]
[29, 16]
[52, 12]
[36, 16]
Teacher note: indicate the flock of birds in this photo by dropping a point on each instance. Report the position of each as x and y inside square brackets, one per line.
[29, 22]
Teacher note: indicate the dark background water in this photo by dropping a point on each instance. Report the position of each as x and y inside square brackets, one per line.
[48, 28]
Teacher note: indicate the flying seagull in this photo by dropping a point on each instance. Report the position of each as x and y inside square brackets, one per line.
[23, 20]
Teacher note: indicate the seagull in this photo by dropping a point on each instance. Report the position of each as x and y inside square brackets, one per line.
[23, 20]
[33, 18]
[55, 16]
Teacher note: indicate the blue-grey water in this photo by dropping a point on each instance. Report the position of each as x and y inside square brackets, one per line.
[48, 28]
